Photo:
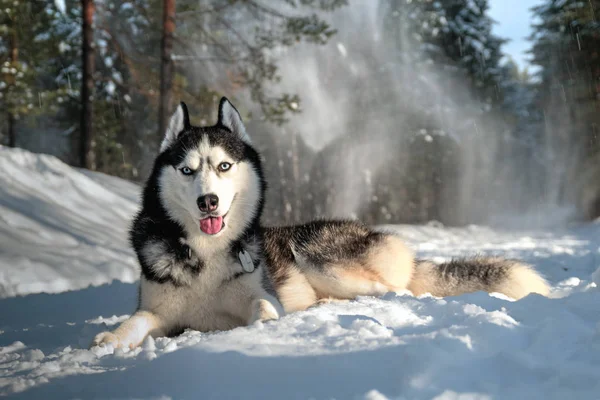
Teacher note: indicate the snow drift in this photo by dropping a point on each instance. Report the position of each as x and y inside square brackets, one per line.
[61, 228]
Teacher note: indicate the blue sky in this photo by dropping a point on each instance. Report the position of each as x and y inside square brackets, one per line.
[514, 22]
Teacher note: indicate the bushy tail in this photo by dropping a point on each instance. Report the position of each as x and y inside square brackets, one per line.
[490, 274]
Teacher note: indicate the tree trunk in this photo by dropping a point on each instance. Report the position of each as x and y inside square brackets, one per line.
[86, 137]
[11, 80]
[12, 134]
[166, 67]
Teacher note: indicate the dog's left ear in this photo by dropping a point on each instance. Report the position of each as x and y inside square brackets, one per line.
[230, 118]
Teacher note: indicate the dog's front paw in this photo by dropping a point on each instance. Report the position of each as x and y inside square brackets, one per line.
[106, 338]
[263, 310]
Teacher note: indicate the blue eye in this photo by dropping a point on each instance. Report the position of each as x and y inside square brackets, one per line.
[224, 166]
[186, 171]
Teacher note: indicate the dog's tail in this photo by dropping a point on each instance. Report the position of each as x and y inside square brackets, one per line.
[490, 274]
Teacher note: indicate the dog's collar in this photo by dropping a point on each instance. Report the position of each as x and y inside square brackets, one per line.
[243, 256]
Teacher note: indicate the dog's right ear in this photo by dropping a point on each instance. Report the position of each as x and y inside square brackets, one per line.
[180, 121]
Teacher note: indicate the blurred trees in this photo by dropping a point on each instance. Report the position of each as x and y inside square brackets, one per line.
[467, 139]
[566, 47]
[165, 104]
[418, 98]
[432, 111]
[88, 57]
[450, 45]
[25, 52]
[230, 42]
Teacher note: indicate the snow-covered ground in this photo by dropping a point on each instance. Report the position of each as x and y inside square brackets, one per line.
[62, 230]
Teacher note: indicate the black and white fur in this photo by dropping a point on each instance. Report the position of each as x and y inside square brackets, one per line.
[246, 272]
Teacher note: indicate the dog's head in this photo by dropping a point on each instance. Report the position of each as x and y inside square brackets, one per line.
[211, 180]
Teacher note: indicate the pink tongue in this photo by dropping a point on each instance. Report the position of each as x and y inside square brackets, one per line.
[211, 225]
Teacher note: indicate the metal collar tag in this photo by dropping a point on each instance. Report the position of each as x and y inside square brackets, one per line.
[246, 261]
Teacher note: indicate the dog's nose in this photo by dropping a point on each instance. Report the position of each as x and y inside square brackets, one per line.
[208, 203]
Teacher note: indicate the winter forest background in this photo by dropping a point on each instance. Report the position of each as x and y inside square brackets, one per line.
[392, 111]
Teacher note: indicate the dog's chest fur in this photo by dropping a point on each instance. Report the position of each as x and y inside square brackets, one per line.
[215, 298]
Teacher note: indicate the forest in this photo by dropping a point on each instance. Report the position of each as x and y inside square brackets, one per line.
[392, 111]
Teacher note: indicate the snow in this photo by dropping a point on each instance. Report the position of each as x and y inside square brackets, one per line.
[60, 228]
[63, 229]
[60, 6]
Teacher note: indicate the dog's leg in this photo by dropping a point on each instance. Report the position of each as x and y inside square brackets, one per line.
[133, 331]
[386, 267]
[294, 290]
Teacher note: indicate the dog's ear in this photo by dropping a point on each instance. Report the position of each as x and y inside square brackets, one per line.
[179, 122]
[230, 118]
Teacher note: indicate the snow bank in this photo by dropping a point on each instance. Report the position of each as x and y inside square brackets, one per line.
[63, 229]
[60, 228]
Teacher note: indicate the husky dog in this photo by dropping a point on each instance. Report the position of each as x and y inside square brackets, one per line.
[207, 263]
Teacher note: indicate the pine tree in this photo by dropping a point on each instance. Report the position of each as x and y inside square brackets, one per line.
[453, 35]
